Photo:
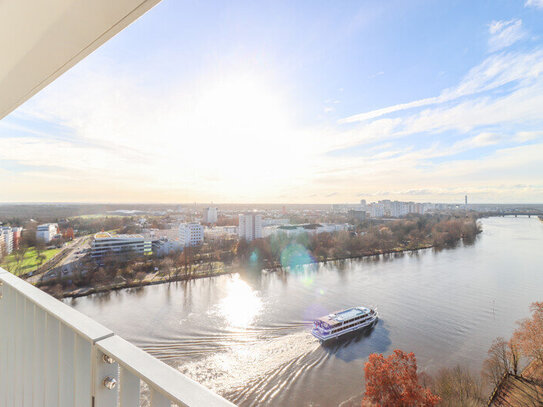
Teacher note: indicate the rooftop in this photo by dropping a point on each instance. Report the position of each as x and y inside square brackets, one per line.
[107, 235]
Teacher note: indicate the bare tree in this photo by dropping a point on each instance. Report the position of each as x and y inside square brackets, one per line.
[458, 387]
[498, 362]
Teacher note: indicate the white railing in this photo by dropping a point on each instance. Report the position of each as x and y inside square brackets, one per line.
[52, 355]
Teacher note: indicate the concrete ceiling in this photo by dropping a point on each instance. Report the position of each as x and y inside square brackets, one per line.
[42, 39]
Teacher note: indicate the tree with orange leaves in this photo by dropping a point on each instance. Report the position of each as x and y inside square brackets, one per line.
[393, 381]
[529, 335]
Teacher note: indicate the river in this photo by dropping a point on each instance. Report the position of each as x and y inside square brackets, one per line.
[246, 335]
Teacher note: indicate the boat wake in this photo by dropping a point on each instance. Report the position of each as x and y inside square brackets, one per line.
[256, 371]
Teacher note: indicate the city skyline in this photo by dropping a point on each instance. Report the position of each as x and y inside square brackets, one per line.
[292, 103]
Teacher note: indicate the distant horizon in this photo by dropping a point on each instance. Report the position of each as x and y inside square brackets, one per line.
[259, 203]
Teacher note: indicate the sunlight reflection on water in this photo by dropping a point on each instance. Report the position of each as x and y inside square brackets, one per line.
[241, 304]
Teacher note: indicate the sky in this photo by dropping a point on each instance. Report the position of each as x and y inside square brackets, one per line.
[293, 102]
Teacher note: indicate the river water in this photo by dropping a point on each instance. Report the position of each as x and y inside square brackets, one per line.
[246, 335]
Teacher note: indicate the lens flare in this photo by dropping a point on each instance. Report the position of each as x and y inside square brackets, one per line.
[253, 258]
[295, 256]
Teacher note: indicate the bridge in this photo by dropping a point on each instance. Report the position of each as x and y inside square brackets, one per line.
[516, 214]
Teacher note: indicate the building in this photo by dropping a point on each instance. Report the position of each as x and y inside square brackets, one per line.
[250, 226]
[164, 246]
[105, 243]
[210, 215]
[47, 232]
[191, 234]
[355, 215]
[220, 232]
[17, 234]
[6, 235]
[377, 210]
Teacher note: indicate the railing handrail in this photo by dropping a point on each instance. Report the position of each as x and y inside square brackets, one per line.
[177, 387]
[82, 324]
[169, 383]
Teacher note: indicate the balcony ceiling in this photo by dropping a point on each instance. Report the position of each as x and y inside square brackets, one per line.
[40, 40]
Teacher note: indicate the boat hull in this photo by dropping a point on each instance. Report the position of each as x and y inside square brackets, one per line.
[323, 338]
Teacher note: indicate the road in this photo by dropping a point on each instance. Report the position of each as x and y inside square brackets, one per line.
[71, 258]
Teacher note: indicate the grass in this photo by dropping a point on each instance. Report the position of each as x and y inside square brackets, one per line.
[30, 261]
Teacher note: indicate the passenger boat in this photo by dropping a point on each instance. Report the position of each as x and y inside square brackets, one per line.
[342, 322]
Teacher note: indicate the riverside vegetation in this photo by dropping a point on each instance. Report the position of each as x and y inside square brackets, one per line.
[275, 252]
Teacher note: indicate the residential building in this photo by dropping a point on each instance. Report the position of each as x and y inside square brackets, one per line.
[6, 235]
[377, 210]
[105, 243]
[210, 215]
[250, 226]
[46, 232]
[191, 234]
[17, 234]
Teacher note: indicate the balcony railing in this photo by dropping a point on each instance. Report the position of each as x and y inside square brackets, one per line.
[52, 355]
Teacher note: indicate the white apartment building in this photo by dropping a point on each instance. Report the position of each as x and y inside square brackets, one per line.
[377, 210]
[46, 232]
[105, 243]
[191, 234]
[6, 235]
[210, 215]
[250, 226]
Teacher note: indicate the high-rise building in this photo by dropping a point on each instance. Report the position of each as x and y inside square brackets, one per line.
[210, 215]
[191, 234]
[17, 233]
[250, 226]
[6, 235]
[47, 232]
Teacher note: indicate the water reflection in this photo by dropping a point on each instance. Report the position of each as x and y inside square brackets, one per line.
[241, 304]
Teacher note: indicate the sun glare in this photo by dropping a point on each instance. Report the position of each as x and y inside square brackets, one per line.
[241, 304]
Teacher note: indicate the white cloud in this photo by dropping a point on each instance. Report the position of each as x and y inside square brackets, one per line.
[494, 72]
[534, 3]
[504, 33]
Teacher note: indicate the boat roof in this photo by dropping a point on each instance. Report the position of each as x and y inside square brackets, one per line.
[340, 316]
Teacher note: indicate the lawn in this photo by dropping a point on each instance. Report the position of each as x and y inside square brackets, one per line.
[30, 261]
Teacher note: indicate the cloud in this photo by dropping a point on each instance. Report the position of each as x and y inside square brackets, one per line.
[494, 72]
[524, 136]
[534, 3]
[481, 140]
[504, 33]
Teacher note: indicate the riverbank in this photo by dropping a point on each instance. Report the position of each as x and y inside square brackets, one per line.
[157, 278]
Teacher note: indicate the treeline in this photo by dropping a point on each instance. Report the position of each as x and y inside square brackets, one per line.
[404, 234]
